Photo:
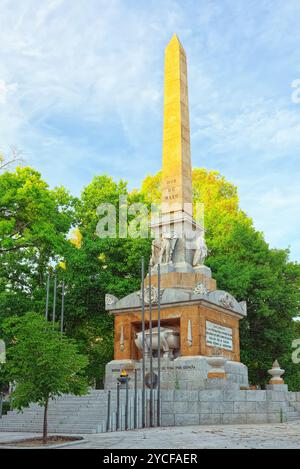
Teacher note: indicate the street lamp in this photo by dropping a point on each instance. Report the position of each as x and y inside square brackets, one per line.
[123, 378]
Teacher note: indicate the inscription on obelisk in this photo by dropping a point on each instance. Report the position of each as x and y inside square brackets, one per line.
[177, 171]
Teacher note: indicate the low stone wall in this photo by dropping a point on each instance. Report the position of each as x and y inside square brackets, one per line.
[183, 373]
[88, 414]
[227, 406]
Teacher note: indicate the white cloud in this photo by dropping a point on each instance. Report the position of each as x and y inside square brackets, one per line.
[264, 126]
[3, 92]
[45, 10]
[90, 84]
[5, 89]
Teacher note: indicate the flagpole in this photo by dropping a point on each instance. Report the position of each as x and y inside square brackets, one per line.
[54, 299]
[62, 307]
[151, 354]
[47, 297]
[143, 342]
[158, 346]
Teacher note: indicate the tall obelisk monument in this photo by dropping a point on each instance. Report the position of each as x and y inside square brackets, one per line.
[195, 316]
[177, 171]
[178, 244]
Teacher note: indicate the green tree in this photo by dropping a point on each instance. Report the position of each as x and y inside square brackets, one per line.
[43, 362]
[34, 226]
[32, 216]
[34, 223]
[96, 267]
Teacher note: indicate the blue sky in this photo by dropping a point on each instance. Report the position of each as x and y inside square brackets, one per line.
[81, 90]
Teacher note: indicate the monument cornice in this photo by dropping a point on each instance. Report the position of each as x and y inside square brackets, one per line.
[188, 303]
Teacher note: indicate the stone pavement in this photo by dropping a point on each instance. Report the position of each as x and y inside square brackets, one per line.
[285, 435]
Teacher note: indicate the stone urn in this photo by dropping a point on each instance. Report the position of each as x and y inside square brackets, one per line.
[169, 341]
[217, 363]
[276, 372]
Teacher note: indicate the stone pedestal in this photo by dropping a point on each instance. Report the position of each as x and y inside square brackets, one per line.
[185, 373]
[216, 370]
[276, 372]
[277, 387]
[203, 270]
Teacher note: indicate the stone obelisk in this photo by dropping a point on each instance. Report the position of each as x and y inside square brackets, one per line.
[177, 171]
[176, 233]
[195, 316]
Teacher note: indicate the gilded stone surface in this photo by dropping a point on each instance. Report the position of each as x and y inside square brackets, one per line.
[177, 171]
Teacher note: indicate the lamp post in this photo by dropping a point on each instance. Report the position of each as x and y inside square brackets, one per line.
[118, 407]
[108, 412]
[135, 399]
[123, 379]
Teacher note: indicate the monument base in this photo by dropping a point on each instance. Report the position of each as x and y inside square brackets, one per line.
[185, 373]
[203, 270]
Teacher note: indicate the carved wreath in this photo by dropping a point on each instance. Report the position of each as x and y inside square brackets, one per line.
[153, 294]
[110, 299]
[200, 289]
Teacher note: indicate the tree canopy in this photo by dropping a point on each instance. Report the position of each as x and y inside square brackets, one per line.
[43, 228]
[43, 362]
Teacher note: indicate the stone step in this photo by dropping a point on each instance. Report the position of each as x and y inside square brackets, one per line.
[292, 415]
[295, 406]
[78, 402]
[70, 430]
[21, 418]
[82, 403]
[39, 425]
[67, 411]
[69, 420]
[88, 410]
[71, 406]
[57, 410]
[54, 423]
[54, 415]
[91, 417]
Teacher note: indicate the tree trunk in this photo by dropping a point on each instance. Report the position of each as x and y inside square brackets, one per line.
[45, 425]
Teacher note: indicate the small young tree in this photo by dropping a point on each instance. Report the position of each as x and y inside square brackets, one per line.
[43, 362]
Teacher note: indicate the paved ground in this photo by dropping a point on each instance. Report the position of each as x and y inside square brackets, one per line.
[286, 435]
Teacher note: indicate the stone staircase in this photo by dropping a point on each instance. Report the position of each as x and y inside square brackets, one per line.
[289, 413]
[88, 414]
[78, 414]
[293, 411]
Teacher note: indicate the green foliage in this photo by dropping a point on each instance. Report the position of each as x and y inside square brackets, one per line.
[34, 226]
[99, 266]
[43, 362]
[34, 222]
[5, 407]
[31, 214]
